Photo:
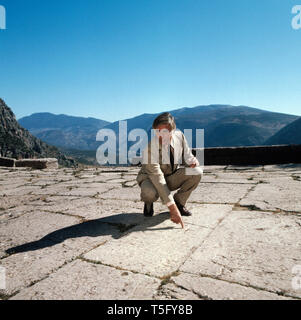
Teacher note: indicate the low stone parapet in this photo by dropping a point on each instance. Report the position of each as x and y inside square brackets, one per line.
[253, 155]
[47, 163]
[7, 162]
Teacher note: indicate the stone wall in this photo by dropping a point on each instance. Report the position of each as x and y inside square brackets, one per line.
[7, 162]
[45, 163]
[257, 155]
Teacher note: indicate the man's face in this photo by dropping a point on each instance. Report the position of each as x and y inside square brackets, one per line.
[163, 132]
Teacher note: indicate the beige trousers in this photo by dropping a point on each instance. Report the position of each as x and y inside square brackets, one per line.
[178, 180]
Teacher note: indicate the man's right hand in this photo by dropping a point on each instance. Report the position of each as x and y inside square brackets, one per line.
[175, 215]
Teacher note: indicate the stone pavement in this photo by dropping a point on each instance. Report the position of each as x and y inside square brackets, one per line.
[81, 234]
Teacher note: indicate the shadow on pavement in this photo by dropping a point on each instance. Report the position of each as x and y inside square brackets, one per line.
[117, 226]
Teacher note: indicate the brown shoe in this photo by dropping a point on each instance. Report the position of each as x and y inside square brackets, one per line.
[183, 210]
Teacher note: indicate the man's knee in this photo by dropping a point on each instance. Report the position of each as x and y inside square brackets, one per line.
[148, 193]
[197, 177]
[149, 196]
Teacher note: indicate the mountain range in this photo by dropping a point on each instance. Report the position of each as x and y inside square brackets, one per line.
[50, 135]
[224, 125]
[63, 130]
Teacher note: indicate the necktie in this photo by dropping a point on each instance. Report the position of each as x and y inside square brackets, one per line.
[171, 155]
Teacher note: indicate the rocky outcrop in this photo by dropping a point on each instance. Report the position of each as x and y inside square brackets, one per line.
[16, 142]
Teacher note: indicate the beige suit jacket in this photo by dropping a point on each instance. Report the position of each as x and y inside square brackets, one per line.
[156, 164]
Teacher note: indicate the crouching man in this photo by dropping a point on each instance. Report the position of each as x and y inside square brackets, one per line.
[161, 173]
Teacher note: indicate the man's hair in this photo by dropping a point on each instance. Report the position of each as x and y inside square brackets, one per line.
[165, 118]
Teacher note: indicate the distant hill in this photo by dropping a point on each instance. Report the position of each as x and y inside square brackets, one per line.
[290, 134]
[63, 130]
[224, 125]
[17, 142]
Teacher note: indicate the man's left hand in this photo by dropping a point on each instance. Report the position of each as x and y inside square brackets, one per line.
[195, 163]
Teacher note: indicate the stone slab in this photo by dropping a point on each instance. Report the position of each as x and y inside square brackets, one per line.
[252, 249]
[229, 177]
[57, 203]
[128, 212]
[213, 289]
[280, 193]
[7, 202]
[64, 204]
[158, 246]
[36, 260]
[114, 210]
[79, 191]
[123, 193]
[219, 192]
[207, 215]
[208, 169]
[31, 227]
[22, 190]
[98, 282]
[290, 167]
[15, 212]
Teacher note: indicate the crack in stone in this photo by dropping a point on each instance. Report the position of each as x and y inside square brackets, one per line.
[205, 238]
[252, 207]
[247, 207]
[81, 218]
[53, 271]
[8, 296]
[32, 283]
[117, 267]
[248, 285]
[202, 297]
[13, 218]
[248, 191]
[231, 183]
[201, 202]
[296, 178]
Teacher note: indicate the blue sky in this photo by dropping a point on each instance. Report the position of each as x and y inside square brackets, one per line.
[114, 59]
